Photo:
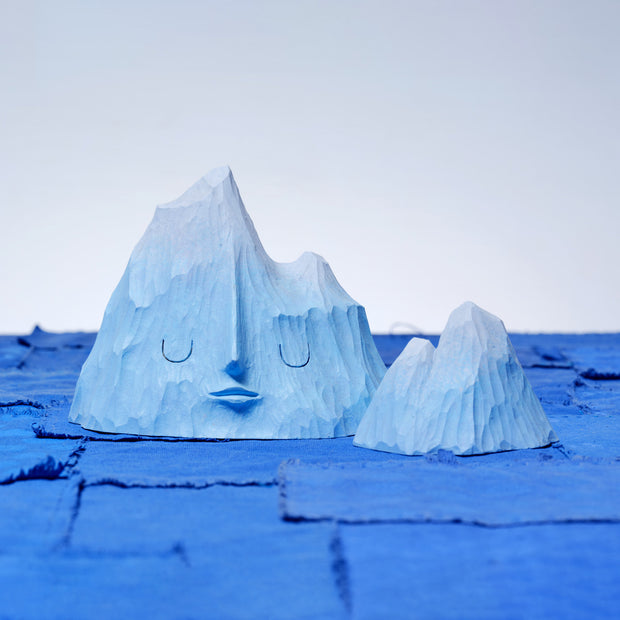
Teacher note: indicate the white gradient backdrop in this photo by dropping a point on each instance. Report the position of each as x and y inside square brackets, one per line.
[431, 151]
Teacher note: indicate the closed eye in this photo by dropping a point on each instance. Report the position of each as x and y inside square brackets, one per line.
[163, 352]
[294, 365]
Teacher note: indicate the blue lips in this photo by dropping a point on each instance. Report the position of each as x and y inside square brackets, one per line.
[235, 391]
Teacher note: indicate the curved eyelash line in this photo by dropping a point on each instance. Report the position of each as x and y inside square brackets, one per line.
[293, 365]
[191, 348]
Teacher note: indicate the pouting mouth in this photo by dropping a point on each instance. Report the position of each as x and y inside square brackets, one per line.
[237, 398]
[234, 391]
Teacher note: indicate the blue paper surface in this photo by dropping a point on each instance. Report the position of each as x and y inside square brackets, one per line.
[550, 489]
[22, 455]
[35, 518]
[169, 529]
[567, 571]
[200, 464]
[238, 586]
[253, 564]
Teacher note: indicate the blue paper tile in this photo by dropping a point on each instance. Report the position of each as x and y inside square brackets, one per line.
[12, 353]
[43, 389]
[231, 535]
[544, 572]
[601, 362]
[597, 396]
[510, 493]
[35, 516]
[552, 385]
[183, 463]
[588, 435]
[41, 339]
[166, 586]
[22, 455]
[54, 360]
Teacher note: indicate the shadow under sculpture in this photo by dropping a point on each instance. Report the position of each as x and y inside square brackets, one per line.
[469, 396]
[206, 336]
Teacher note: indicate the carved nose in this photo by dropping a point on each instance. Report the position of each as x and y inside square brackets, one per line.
[234, 369]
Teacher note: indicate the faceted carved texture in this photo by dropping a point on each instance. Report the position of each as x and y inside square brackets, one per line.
[469, 396]
[206, 336]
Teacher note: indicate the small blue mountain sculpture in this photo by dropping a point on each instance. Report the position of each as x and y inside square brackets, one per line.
[470, 395]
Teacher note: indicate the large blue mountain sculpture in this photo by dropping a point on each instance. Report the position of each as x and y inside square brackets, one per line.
[206, 336]
[470, 395]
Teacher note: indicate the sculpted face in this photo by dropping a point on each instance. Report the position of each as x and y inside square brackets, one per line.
[206, 336]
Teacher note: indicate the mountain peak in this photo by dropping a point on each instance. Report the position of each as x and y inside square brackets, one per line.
[469, 311]
[205, 187]
[217, 175]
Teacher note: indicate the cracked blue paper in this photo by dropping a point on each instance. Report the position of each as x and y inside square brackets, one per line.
[54, 562]
[35, 517]
[23, 456]
[547, 488]
[231, 535]
[199, 464]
